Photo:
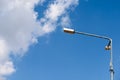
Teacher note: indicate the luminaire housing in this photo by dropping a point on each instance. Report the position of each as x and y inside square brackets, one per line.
[67, 30]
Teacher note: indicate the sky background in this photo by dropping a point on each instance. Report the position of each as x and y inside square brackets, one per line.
[56, 55]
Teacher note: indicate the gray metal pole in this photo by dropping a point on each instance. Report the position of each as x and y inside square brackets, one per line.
[111, 64]
[109, 46]
[93, 35]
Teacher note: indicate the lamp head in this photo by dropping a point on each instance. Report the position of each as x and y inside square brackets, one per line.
[107, 47]
[67, 30]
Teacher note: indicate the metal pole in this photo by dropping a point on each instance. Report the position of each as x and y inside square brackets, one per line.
[111, 64]
[93, 35]
[109, 47]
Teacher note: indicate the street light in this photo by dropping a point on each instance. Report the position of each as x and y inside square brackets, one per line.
[108, 47]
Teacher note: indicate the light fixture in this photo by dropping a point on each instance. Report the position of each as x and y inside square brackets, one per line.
[67, 30]
[108, 47]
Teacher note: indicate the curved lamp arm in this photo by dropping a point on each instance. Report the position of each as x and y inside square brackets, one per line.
[108, 47]
[72, 31]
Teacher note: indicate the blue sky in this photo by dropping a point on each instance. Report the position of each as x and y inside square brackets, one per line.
[61, 56]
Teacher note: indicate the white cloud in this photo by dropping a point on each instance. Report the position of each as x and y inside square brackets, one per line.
[56, 10]
[6, 68]
[3, 50]
[19, 27]
[65, 21]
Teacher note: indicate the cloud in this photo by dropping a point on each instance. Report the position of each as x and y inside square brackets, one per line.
[19, 28]
[65, 21]
[55, 11]
[6, 68]
[17, 25]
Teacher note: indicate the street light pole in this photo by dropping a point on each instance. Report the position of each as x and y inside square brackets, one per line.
[111, 64]
[108, 47]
